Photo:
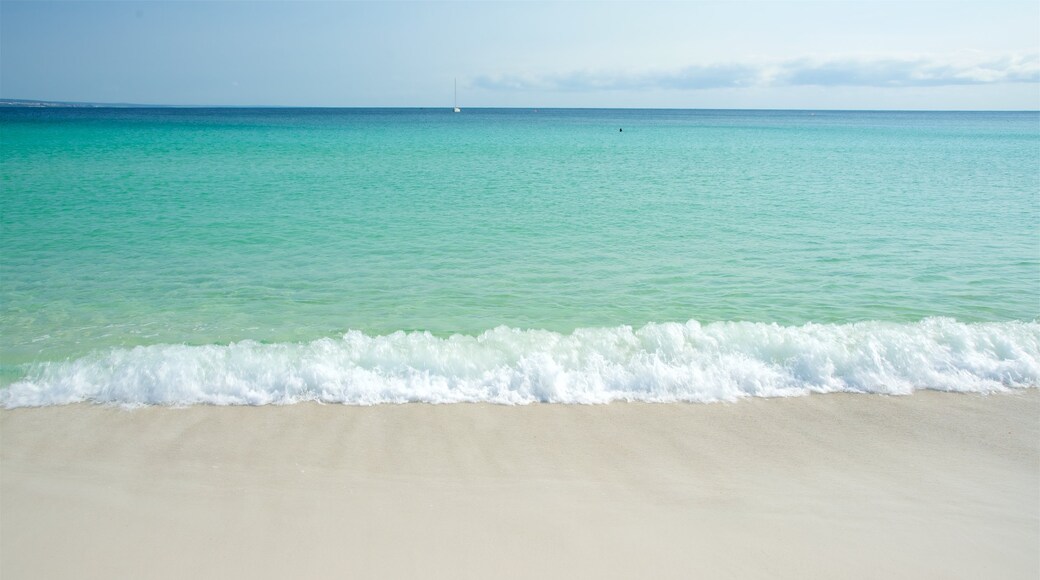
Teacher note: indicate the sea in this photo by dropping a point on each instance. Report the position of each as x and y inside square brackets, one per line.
[229, 256]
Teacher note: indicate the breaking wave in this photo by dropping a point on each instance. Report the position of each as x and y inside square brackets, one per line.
[661, 362]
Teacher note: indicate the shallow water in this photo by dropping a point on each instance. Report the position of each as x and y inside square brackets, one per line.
[204, 227]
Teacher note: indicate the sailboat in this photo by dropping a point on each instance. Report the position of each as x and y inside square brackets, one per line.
[456, 101]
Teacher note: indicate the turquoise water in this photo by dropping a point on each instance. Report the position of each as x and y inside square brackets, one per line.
[199, 228]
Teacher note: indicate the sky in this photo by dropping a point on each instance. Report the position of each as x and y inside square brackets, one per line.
[759, 55]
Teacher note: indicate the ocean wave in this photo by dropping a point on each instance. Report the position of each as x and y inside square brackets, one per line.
[661, 362]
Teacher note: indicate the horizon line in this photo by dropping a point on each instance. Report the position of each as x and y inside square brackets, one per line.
[17, 103]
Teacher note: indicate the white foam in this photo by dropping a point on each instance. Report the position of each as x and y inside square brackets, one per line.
[665, 362]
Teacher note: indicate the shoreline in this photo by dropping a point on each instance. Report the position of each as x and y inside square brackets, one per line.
[840, 485]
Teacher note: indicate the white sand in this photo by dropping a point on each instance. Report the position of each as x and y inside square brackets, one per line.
[837, 486]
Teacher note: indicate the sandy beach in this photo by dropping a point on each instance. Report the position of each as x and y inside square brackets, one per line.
[853, 486]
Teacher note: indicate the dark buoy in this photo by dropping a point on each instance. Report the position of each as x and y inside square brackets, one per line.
[620, 130]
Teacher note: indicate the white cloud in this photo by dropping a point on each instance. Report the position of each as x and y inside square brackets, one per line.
[869, 71]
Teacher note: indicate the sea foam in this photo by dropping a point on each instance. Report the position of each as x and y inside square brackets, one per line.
[662, 362]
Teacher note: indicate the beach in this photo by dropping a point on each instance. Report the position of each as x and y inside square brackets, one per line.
[539, 290]
[932, 485]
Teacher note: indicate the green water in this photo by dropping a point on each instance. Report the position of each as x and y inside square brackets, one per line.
[125, 227]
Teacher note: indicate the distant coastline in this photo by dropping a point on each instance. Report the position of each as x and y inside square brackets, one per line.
[46, 104]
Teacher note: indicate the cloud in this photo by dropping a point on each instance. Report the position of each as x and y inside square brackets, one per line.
[966, 69]
[893, 72]
[694, 77]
